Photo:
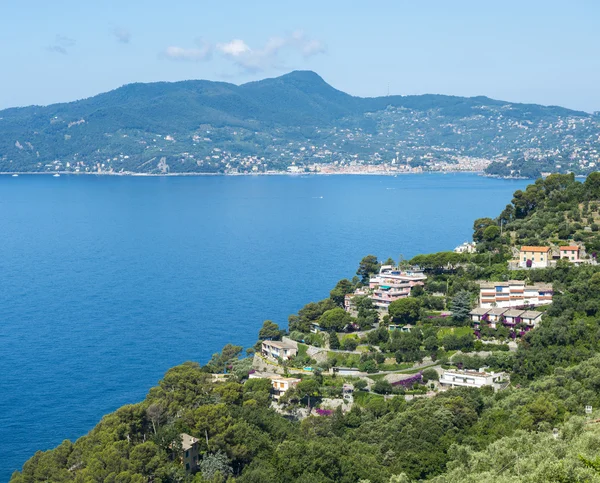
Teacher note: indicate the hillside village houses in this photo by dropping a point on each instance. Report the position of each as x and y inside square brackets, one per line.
[390, 284]
[544, 257]
[509, 317]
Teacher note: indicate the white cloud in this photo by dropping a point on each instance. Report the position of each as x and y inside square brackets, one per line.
[269, 56]
[235, 48]
[193, 54]
[122, 35]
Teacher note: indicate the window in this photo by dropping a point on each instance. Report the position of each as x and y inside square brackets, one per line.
[187, 467]
[187, 453]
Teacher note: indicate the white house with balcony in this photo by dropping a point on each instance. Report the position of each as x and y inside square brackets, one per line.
[275, 349]
[389, 285]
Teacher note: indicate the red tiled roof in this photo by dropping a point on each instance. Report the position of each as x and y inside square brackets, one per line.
[535, 249]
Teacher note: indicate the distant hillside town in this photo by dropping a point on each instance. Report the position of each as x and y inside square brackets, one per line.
[295, 123]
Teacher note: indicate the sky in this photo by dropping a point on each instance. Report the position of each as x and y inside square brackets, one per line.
[544, 52]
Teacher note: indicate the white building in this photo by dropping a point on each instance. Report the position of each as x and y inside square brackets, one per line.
[458, 378]
[514, 293]
[388, 285]
[466, 247]
[274, 349]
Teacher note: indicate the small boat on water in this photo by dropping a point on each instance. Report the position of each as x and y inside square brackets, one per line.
[56, 175]
[15, 175]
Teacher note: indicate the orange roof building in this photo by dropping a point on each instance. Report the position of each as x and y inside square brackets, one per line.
[534, 257]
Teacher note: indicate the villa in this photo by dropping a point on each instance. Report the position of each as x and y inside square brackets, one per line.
[279, 383]
[274, 349]
[458, 378]
[534, 257]
[466, 247]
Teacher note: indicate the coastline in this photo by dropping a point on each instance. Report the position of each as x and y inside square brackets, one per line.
[281, 173]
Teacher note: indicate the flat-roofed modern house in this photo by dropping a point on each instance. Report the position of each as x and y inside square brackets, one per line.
[458, 378]
[531, 318]
[514, 294]
[275, 349]
[534, 257]
[570, 253]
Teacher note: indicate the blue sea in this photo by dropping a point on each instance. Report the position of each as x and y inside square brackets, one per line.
[106, 282]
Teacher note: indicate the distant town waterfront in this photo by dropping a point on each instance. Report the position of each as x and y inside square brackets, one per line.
[109, 281]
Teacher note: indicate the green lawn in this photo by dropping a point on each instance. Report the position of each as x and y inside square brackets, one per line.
[395, 367]
[457, 331]
[302, 348]
[362, 398]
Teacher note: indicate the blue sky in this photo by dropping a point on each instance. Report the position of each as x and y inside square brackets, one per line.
[525, 51]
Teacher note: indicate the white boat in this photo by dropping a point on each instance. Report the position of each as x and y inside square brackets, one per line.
[56, 175]
[15, 175]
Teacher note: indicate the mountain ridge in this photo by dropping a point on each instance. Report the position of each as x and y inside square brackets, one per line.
[257, 119]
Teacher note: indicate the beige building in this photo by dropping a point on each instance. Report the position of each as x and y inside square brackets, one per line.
[279, 383]
[189, 455]
[282, 384]
[537, 257]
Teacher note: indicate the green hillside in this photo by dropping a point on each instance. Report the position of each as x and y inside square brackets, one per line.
[217, 127]
[534, 430]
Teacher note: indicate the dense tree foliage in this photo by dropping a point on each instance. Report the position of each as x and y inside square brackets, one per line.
[405, 311]
[535, 430]
[368, 266]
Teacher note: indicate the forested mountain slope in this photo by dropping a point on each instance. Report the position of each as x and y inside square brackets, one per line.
[217, 127]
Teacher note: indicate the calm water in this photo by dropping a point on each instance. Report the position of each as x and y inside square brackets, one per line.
[106, 282]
